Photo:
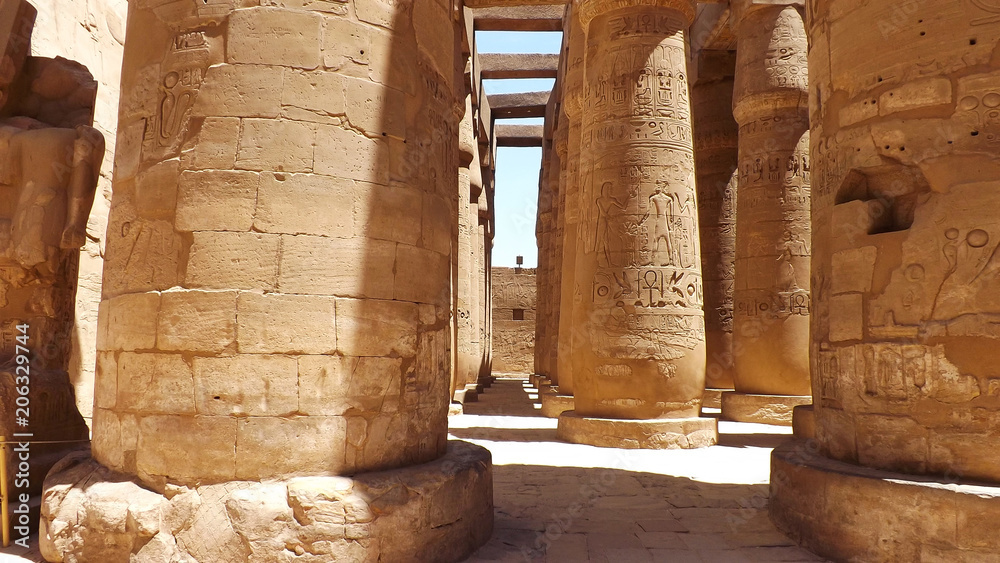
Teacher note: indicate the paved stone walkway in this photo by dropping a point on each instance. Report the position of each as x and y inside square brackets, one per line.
[568, 503]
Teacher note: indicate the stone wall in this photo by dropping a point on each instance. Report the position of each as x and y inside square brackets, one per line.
[513, 335]
[91, 32]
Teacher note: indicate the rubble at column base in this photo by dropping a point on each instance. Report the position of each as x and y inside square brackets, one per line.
[657, 434]
[440, 511]
[761, 409]
[846, 512]
[554, 404]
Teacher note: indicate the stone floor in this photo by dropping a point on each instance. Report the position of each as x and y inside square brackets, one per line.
[569, 503]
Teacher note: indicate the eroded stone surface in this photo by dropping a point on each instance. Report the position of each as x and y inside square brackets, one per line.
[662, 434]
[762, 409]
[440, 511]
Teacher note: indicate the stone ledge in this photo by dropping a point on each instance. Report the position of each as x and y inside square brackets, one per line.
[712, 398]
[657, 434]
[761, 409]
[846, 512]
[554, 404]
[440, 511]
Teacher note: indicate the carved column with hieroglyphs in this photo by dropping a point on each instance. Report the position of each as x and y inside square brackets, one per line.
[641, 355]
[773, 241]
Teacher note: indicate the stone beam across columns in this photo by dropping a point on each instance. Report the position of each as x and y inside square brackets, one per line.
[519, 105]
[519, 18]
[518, 65]
[519, 135]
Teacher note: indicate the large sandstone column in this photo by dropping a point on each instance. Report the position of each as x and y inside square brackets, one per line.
[716, 157]
[276, 298]
[771, 314]
[470, 181]
[906, 274]
[554, 404]
[543, 279]
[639, 368]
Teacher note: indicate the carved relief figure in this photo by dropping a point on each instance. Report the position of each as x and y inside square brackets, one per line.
[605, 203]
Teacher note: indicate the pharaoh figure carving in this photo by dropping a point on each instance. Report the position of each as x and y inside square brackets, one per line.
[50, 160]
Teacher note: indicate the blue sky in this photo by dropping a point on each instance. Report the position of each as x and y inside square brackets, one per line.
[517, 168]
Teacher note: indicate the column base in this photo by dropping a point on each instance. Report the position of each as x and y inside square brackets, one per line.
[846, 512]
[762, 409]
[455, 409]
[712, 398]
[657, 434]
[804, 422]
[438, 511]
[537, 379]
[554, 404]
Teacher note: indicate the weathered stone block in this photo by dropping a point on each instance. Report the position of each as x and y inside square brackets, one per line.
[154, 383]
[286, 324]
[128, 322]
[281, 146]
[305, 204]
[334, 385]
[388, 212]
[354, 267]
[214, 146]
[375, 108]
[265, 450]
[421, 275]
[246, 384]
[321, 93]
[187, 449]
[846, 317]
[197, 321]
[216, 200]
[369, 160]
[274, 36]
[233, 261]
[376, 328]
[240, 90]
[156, 191]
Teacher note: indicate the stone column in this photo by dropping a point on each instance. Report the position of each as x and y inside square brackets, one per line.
[543, 279]
[554, 404]
[716, 155]
[572, 106]
[907, 292]
[276, 301]
[560, 147]
[771, 314]
[639, 370]
[469, 182]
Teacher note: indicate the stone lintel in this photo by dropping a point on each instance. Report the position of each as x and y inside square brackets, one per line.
[519, 105]
[511, 17]
[519, 135]
[518, 65]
